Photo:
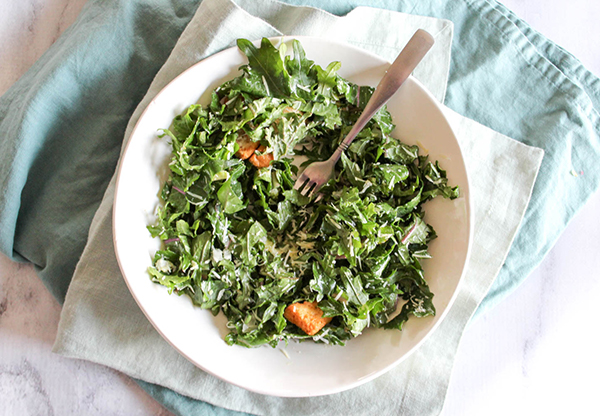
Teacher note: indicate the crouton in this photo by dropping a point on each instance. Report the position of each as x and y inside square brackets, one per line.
[261, 161]
[247, 146]
[307, 316]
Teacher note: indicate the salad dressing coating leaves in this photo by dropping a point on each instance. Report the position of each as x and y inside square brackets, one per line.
[241, 240]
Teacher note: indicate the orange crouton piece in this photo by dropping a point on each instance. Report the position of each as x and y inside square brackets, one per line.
[261, 161]
[247, 146]
[307, 316]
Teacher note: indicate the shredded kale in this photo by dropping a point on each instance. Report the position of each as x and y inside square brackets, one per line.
[240, 240]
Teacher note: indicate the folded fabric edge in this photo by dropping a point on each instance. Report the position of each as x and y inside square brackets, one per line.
[564, 61]
[537, 157]
[523, 37]
[182, 405]
[494, 298]
[159, 392]
[11, 204]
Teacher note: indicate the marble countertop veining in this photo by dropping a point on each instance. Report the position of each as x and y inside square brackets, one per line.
[534, 354]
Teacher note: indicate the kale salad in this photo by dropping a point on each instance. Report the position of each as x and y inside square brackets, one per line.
[237, 238]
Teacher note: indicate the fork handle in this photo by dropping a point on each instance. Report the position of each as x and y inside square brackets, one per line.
[408, 59]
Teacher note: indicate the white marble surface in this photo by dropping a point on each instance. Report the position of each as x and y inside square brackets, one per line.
[534, 354]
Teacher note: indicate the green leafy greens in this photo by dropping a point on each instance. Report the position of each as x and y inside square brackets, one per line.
[241, 240]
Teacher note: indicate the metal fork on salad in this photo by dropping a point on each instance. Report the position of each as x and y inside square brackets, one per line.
[318, 173]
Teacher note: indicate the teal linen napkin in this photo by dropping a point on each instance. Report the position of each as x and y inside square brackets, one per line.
[62, 124]
[101, 322]
[62, 127]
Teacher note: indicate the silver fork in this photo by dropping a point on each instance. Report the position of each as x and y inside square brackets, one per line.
[318, 173]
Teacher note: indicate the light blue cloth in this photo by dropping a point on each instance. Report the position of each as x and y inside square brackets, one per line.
[63, 123]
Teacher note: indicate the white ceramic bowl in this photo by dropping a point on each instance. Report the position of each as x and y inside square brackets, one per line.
[311, 369]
